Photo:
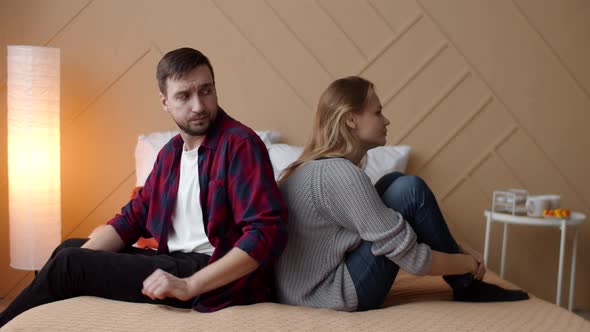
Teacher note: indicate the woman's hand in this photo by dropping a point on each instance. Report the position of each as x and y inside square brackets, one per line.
[481, 268]
[452, 264]
[160, 285]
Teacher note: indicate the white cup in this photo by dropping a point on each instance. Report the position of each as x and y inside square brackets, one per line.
[536, 204]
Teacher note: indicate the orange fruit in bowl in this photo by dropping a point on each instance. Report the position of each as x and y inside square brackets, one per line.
[559, 213]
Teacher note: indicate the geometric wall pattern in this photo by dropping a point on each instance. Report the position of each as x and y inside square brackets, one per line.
[490, 94]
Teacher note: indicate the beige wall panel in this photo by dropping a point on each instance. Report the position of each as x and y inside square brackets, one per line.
[361, 23]
[472, 142]
[11, 294]
[43, 20]
[564, 26]
[262, 27]
[249, 88]
[320, 36]
[100, 45]
[396, 13]
[493, 174]
[465, 220]
[97, 149]
[525, 74]
[404, 58]
[2, 58]
[407, 107]
[529, 164]
[106, 210]
[458, 105]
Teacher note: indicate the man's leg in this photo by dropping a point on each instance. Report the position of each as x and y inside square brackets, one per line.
[73, 271]
[410, 196]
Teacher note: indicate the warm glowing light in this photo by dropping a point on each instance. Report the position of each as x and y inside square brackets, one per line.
[33, 155]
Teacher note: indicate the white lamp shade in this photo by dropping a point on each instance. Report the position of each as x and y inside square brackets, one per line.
[33, 155]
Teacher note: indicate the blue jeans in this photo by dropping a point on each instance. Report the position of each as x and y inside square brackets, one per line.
[409, 195]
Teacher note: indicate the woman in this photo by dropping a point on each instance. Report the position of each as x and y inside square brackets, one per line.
[348, 239]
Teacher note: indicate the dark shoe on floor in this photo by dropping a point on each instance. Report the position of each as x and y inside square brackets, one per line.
[480, 291]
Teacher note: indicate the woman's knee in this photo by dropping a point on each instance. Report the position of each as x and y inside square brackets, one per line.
[387, 180]
[407, 184]
[406, 193]
[411, 181]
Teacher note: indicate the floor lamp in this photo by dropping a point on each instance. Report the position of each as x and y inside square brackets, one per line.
[34, 195]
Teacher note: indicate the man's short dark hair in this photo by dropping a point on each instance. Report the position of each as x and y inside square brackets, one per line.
[179, 62]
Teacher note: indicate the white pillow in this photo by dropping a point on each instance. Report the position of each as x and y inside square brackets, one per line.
[380, 160]
[283, 155]
[149, 145]
[386, 159]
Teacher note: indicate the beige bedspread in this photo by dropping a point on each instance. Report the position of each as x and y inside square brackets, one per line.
[414, 304]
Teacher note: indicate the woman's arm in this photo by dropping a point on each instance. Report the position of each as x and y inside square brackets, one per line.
[450, 264]
[481, 268]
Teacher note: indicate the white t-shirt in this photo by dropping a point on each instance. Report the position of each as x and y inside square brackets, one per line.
[187, 233]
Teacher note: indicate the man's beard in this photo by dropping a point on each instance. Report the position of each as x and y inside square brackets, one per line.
[193, 132]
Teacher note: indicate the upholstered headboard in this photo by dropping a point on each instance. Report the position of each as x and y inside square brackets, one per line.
[380, 160]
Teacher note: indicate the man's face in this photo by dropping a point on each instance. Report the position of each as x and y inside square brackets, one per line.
[192, 101]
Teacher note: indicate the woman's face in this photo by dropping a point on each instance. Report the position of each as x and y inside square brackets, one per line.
[370, 126]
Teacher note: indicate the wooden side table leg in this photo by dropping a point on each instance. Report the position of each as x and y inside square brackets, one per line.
[504, 241]
[570, 305]
[560, 270]
[486, 244]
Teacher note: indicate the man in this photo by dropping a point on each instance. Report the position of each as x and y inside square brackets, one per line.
[211, 191]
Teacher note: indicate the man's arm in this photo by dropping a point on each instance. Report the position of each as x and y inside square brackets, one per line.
[234, 265]
[130, 224]
[105, 238]
[260, 213]
[256, 202]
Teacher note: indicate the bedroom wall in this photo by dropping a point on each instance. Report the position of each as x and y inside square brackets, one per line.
[490, 94]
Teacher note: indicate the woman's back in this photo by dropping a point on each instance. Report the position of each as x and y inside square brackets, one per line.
[331, 204]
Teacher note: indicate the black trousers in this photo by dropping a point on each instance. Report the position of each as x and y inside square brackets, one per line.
[72, 271]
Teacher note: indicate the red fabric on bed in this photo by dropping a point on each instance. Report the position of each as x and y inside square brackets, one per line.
[144, 242]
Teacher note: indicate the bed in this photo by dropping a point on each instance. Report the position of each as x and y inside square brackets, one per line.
[413, 304]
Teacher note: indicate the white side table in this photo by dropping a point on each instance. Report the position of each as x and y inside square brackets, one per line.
[575, 219]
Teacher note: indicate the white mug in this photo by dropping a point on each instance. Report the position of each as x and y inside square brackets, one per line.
[536, 204]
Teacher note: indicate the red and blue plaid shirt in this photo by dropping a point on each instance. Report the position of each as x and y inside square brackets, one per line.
[241, 205]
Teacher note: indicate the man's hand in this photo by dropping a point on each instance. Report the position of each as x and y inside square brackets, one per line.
[160, 285]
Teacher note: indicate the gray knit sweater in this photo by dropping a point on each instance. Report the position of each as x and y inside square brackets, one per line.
[332, 207]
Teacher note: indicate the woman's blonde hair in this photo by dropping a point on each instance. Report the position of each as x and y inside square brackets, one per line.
[331, 137]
